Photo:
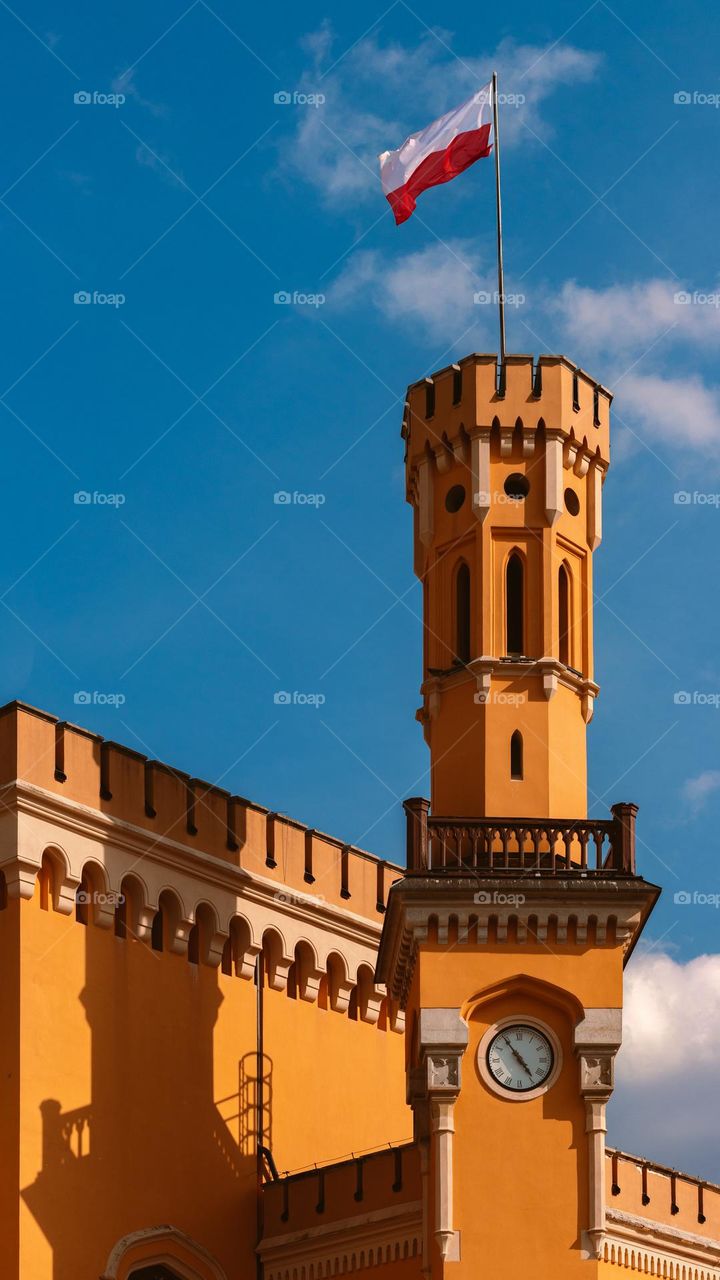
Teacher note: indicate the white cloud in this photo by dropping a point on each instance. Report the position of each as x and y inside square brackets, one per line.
[697, 791]
[431, 290]
[667, 1099]
[320, 150]
[626, 319]
[679, 412]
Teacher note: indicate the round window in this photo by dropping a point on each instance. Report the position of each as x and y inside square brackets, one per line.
[517, 486]
[454, 498]
[572, 502]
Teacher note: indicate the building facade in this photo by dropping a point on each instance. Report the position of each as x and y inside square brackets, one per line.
[236, 1047]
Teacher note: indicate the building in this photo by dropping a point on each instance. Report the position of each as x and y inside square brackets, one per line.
[236, 1047]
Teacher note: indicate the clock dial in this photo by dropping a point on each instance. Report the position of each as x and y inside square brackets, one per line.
[520, 1058]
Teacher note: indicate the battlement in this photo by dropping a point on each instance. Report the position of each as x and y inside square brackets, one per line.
[444, 410]
[659, 1220]
[360, 1212]
[37, 750]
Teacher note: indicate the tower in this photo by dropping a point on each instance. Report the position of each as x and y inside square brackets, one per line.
[506, 940]
[506, 487]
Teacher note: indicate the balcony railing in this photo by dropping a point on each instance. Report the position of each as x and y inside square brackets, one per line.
[519, 846]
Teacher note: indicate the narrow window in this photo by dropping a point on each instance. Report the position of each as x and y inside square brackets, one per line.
[193, 950]
[82, 901]
[515, 606]
[462, 613]
[121, 926]
[516, 756]
[564, 614]
[156, 935]
[429, 398]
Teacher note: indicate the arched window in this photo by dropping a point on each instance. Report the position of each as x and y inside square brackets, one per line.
[516, 756]
[564, 613]
[462, 612]
[515, 606]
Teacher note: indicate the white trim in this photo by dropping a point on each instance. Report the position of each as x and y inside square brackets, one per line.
[652, 1247]
[336, 1248]
[509, 1095]
[165, 1234]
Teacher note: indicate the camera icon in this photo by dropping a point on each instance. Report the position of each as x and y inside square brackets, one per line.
[81, 498]
[682, 98]
[483, 898]
[282, 698]
[482, 297]
[82, 698]
[682, 297]
[282, 98]
[82, 97]
[82, 298]
[682, 498]
[682, 898]
[282, 298]
[282, 498]
[682, 699]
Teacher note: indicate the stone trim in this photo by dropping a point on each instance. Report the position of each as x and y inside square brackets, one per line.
[162, 1236]
[339, 1248]
[655, 1249]
[34, 821]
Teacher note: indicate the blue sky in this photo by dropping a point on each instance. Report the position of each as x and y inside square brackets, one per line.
[190, 592]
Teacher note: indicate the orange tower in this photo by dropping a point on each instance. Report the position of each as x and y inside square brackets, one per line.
[506, 487]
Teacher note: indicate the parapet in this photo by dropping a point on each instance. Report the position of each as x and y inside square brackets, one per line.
[443, 410]
[39, 751]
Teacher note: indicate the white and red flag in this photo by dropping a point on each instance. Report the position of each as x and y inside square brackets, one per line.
[438, 153]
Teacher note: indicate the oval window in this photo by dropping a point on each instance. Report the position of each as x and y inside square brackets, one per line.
[454, 498]
[517, 486]
[572, 502]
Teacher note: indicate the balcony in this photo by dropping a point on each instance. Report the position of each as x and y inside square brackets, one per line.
[602, 848]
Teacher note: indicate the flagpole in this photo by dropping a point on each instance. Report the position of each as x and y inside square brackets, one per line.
[501, 274]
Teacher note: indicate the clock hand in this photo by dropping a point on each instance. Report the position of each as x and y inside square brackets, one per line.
[518, 1057]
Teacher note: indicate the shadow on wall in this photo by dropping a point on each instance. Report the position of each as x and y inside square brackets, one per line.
[152, 1145]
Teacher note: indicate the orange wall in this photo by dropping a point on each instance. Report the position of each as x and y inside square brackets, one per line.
[156, 1058]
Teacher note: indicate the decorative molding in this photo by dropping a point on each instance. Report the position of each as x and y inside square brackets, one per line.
[80, 838]
[155, 1245]
[655, 1249]
[339, 1248]
[570, 910]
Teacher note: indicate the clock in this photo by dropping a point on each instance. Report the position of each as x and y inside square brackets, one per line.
[519, 1058]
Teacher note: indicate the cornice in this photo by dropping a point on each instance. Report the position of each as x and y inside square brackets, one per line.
[647, 1246]
[350, 1244]
[571, 905]
[24, 798]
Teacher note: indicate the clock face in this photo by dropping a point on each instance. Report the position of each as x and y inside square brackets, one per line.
[520, 1058]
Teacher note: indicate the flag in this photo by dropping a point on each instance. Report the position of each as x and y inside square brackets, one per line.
[437, 153]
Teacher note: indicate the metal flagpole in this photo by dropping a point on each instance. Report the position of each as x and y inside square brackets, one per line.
[501, 276]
